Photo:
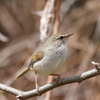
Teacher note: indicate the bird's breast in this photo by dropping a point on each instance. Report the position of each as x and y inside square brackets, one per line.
[53, 59]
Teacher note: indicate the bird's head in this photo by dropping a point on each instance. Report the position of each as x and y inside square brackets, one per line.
[57, 39]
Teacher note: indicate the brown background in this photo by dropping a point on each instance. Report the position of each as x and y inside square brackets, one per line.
[22, 28]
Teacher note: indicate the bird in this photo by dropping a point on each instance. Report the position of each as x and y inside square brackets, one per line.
[49, 58]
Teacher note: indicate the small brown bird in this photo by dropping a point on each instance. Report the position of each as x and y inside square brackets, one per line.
[50, 57]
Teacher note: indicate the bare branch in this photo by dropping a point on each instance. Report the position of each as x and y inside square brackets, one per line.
[72, 79]
[10, 89]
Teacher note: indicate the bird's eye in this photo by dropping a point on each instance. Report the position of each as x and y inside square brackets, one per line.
[61, 37]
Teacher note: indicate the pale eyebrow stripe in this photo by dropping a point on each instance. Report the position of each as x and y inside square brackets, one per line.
[60, 36]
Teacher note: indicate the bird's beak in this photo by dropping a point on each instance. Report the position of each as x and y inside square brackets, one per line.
[67, 35]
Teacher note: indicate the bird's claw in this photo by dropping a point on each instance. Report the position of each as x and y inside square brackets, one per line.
[58, 79]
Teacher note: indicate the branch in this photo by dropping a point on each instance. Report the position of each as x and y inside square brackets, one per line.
[72, 79]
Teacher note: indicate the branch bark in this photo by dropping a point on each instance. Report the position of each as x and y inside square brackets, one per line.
[72, 79]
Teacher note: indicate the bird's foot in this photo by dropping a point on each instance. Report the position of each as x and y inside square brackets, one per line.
[58, 79]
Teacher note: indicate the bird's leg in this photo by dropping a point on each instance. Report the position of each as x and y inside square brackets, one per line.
[59, 77]
[37, 87]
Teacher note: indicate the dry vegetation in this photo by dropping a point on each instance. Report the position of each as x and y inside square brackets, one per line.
[22, 29]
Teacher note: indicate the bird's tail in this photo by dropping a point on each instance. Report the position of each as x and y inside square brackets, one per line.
[23, 72]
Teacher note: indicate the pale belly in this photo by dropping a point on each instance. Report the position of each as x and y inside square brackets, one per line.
[51, 62]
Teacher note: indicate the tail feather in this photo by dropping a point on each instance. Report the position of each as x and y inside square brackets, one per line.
[23, 72]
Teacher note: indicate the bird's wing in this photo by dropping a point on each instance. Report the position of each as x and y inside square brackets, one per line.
[36, 57]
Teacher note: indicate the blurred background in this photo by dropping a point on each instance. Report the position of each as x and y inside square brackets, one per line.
[21, 33]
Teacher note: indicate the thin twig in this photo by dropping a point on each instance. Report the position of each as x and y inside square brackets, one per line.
[48, 94]
[57, 16]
